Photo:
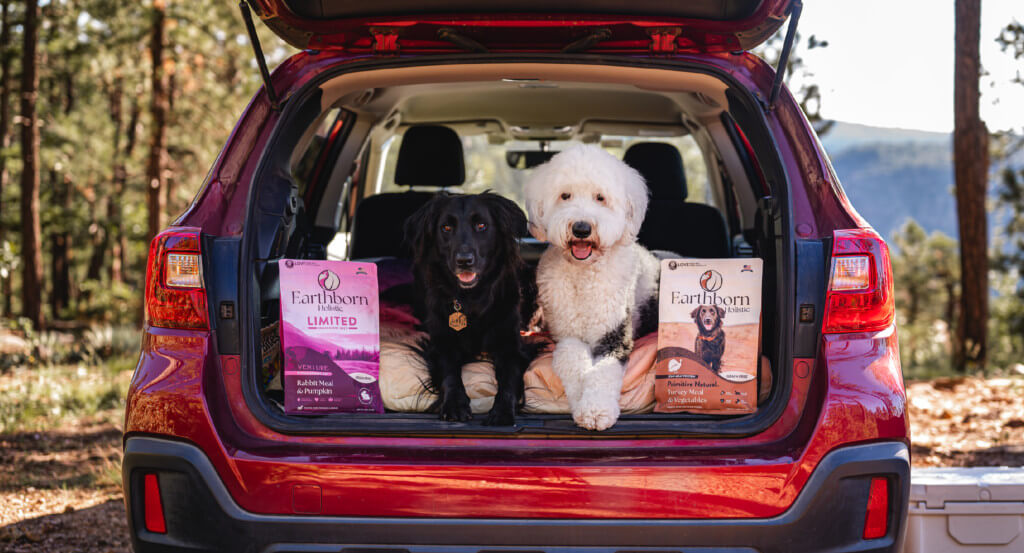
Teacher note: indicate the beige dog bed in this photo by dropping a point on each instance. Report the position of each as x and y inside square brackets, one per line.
[403, 374]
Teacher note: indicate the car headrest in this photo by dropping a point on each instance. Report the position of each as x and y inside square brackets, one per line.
[431, 155]
[662, 168]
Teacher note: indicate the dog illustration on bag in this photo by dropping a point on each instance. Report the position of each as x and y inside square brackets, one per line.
[709, 345]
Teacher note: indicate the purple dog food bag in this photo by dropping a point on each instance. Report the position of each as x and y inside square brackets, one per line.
[330, 336]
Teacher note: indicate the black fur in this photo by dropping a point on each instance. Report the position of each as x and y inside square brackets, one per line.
[446, 227]
[616, 343]
[709, 345]
[648, 317]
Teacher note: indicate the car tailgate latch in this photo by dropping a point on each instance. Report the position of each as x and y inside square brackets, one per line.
[385, 41]
[663, 39]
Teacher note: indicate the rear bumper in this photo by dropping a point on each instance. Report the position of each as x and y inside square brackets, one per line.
[201, 515]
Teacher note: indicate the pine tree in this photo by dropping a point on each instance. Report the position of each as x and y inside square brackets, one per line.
[6, 82]
[970, 163]
[158, 124]
[32, 275]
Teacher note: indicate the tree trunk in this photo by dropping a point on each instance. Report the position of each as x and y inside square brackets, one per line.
[914, 305]
[32, 276]
[970, 162]
[5, 118]
[951, 303]
[158, 111]
[62, 286]
[119, 263]
[102, 240]
[60, 250]
[170, 183]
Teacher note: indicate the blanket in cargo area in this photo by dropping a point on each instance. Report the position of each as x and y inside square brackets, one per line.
[403, 378]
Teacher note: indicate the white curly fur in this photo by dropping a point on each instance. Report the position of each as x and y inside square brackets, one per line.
[585, 300]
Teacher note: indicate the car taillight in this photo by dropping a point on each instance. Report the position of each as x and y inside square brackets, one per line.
[175, 294]
[876, 517]
[860, 296]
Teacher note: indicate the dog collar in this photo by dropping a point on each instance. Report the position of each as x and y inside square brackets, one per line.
[706, 338]
[457, 320]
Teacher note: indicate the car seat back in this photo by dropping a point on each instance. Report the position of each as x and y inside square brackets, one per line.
[430, 155]
[672, 223]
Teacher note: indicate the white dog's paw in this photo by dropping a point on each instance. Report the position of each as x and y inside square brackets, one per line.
[596, 416]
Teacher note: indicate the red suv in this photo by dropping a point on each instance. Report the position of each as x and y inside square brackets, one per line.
[321, 165]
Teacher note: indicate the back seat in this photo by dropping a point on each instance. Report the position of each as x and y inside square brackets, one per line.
[430, 155]
[672, 223]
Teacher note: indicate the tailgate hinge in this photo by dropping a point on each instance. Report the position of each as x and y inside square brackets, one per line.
[275, 104]
[385, 41]
[787, 47]
[663, 39]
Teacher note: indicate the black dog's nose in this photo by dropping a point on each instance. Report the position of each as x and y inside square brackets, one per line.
[464, 259]
[581, 229]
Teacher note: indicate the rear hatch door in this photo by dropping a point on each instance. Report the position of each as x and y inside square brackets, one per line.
[599, 26]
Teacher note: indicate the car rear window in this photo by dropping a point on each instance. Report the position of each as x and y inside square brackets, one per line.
[488, 168]
[307, 166]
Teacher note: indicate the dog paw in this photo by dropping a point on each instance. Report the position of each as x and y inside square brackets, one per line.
[596, 417]
[500, 417]
[456, 409]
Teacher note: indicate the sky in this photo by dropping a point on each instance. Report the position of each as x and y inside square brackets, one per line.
[889, 63]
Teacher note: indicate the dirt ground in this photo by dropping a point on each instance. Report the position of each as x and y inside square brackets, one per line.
[964, 422]
[60, 489]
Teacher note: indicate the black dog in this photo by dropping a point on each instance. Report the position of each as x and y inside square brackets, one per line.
[468, 276]
[710, 343]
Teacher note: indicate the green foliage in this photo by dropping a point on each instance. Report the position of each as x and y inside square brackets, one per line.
[111, 303]
[1008, 302]
[926, 270]
[94, 57]
[1009, 252]
[44, 397]
[1011, 38]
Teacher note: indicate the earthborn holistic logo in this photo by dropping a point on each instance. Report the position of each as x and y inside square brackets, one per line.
[329, 280]
[711, 280]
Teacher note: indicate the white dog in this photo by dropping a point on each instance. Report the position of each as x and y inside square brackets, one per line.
[598, 288]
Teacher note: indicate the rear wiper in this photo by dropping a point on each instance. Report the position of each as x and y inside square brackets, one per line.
[462, 41]
[587, 42]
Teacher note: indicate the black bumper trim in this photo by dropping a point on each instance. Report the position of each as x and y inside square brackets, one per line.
[828, 515]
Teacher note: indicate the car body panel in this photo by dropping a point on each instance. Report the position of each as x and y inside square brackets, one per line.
[396, 25]
[849, 392]
[861, 395]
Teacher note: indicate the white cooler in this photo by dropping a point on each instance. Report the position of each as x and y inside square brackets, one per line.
[969, 510]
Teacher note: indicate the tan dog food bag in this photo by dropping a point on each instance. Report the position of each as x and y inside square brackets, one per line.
[709, 336]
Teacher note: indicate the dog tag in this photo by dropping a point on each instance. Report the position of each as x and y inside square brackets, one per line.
[457, 320]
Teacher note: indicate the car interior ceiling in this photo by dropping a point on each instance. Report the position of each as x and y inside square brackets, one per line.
[341, 197]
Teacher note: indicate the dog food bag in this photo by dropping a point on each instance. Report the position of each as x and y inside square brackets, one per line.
[709, 329]
[330, 336]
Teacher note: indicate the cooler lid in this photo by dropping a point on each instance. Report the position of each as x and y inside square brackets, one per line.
[937, 486]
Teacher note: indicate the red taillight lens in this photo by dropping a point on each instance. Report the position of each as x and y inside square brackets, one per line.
[876, 521]
[175, 296]
[153, 505]
[860, 296]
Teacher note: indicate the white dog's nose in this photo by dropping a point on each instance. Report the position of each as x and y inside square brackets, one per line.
[581, 229]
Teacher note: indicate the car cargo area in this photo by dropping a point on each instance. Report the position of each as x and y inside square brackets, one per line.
[339, 180]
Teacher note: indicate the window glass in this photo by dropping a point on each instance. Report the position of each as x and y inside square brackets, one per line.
[488, 168]
[304, 170]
